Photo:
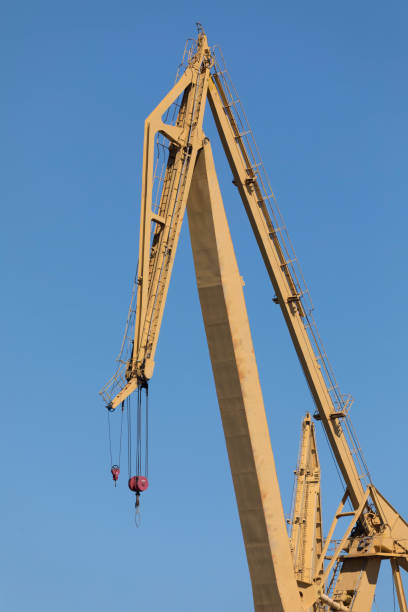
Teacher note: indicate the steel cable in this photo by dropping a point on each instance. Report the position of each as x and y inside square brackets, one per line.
[147, 434]
[129, 420]
[110, 439]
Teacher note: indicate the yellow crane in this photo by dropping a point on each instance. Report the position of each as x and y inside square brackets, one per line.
[288, 574]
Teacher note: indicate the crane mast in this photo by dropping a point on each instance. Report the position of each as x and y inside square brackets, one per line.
[187, 179]
[306, 538]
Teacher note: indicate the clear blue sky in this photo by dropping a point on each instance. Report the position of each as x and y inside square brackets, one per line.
[324, 85]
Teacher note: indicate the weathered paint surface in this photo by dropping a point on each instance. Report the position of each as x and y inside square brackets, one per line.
[239, 395]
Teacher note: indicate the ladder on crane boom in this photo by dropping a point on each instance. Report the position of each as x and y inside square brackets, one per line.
[375, 532]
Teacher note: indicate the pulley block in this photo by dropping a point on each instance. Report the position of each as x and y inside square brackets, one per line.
[138, 484]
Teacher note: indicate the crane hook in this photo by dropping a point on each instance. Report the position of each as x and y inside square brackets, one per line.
[115, 471]
[138, 516]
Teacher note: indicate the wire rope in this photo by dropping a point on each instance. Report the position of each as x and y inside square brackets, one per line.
[334, 461]
[129, 423]
[139, 433]
[121, 430]
[110, 438]
[147, 434]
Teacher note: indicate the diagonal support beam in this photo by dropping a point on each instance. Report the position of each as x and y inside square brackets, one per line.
[396, 574]
[340, 546]
[239, 395]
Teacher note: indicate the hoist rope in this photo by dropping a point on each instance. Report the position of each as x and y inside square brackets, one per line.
[120, 436]
[135, 456]
[138, 517]
[129, 424]
[139, 433]
[336, 465]
[110, 438]
[130, 316]
[121, 430]
[147, 434]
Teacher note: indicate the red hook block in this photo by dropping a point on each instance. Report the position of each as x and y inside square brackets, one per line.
[115, 471]
[138, 484]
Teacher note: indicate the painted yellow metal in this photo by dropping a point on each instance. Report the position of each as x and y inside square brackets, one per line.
[282, 282]
[341, 545]
[402, 602]
[306, 538]
[239, 394]
[359, 555]
[356, 585]
[156, 258]
[158, 244]
[376, 530]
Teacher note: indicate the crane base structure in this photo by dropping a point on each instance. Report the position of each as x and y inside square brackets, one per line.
[303, 571]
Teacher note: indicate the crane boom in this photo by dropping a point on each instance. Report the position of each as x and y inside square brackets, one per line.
[287, 294]
[160, 223]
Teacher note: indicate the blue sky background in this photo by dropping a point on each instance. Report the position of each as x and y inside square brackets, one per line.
[325, 88]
